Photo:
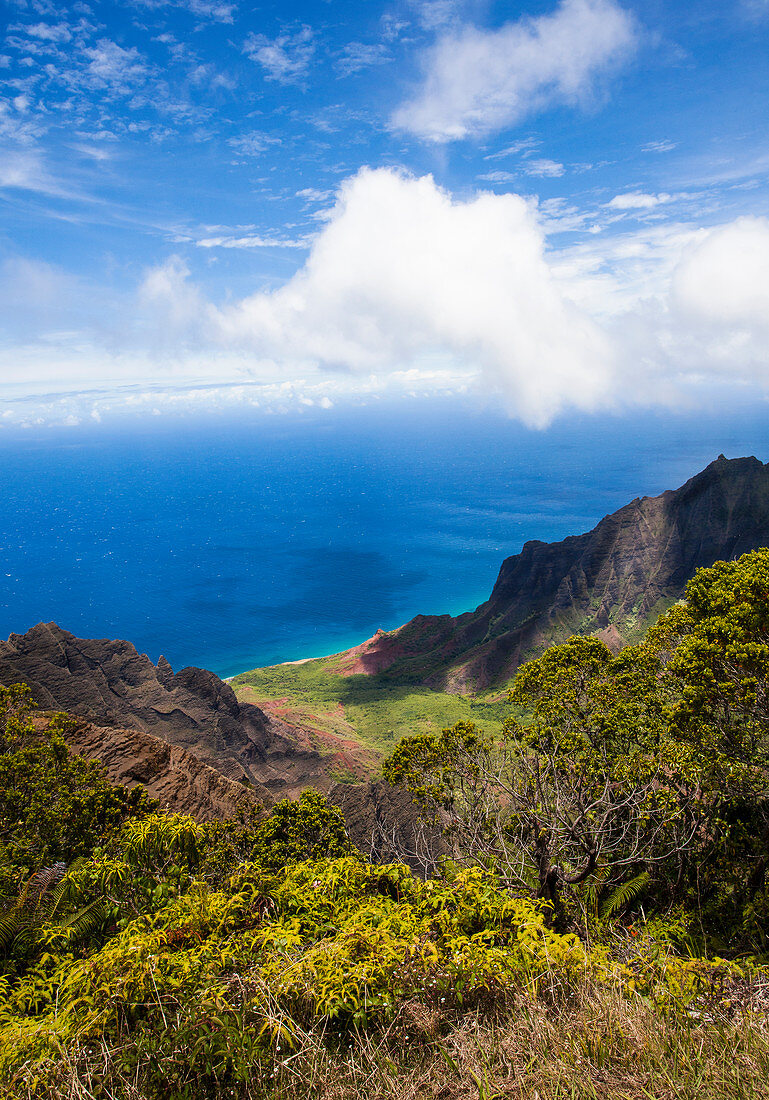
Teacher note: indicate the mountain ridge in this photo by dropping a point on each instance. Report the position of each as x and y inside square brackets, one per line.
[109, 684]
[609, 581]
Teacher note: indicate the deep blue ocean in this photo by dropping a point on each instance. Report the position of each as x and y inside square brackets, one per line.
[236, 543]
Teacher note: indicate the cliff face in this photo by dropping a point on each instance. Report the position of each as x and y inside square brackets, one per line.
[180, 781]
[609, 581]
[110, 684]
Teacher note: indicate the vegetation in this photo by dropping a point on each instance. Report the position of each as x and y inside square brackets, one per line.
[365, 708]
[54, 805]
[640, 778]
[599, 929]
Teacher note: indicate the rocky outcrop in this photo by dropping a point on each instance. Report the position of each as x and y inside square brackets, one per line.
[110, 684]
[178, 780]
[610, 581]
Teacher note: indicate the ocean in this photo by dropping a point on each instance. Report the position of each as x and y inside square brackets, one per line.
[231, 544]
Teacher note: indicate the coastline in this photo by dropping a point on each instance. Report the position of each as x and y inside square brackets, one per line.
[280, 664]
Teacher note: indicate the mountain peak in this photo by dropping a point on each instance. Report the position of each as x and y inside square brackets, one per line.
[610, 581]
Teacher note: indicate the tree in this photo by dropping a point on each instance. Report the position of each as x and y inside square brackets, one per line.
[718, 660]
[584, 782]
[54, 805]
[714, 649]
[308, 828]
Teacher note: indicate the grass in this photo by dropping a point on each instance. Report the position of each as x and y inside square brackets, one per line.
[598, 1046]
[595, 1045]
[366, 708]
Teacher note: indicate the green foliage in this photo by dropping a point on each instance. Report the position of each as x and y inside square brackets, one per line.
[309, 828]
[443, 771]
[586, 779]
[586, 703]
[16, 706]
[232, 977]
[54, 805]
[42, 920]
[638, 776]
[219, 988]
[720, 662]
[714, 649]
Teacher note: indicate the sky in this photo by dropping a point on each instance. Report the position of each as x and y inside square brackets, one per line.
[554, 207]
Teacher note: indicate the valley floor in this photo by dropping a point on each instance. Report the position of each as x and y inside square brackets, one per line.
[360, 717]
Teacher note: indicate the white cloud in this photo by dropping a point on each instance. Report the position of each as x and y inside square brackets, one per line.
[543, 168]
[404, 279]
[358, 55]
[407, 289]
[94, 152]
[525, 147]
[402, 275]
[219, 11]
[50, 32]
[498, 176]
[177, 307]
[16, 124]
[663, 146]
[26, 172]
[314, 194]
[637, 200]
[478, 81]
[435, 13]
[112, 68]
[251, 145]
[723, 279]
[286, 58]
[210, 9]
[250, 241]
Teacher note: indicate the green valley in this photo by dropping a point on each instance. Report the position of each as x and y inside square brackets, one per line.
[367, 709]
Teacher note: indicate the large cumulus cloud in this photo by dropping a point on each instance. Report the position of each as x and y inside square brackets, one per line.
[404, 275]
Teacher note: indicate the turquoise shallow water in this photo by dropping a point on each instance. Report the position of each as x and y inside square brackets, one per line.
[241, 543]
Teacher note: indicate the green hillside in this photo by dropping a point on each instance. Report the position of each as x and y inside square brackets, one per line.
[366, 708]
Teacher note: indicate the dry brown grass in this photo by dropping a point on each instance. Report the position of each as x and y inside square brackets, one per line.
[594, 1045]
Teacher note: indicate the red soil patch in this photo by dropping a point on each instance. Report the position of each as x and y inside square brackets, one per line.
[372, 656]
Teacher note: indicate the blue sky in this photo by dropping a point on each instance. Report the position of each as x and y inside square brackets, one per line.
[552, 206]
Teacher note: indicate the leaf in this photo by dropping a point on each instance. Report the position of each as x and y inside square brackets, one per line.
[624, 893]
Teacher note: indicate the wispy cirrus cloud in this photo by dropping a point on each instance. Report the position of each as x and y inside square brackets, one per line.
[543, 168]
[480, 81]
[286, 58]
[661, 146]
[359, 55]
[26, 171]
[251, 240]
[252, 144]
[638, 200]
[218, 11]
[49, 32]
[111, 68]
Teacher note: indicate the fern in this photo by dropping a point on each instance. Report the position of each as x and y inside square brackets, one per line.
[32, 918]
[625, 892]
[44, 880]
[87, 920]
[591, 891]
[12, 926]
